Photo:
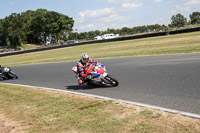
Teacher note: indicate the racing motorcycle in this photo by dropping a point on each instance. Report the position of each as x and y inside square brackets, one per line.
[7, 73]
[97, 74]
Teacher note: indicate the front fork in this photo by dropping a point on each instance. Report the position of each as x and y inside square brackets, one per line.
[104, 80]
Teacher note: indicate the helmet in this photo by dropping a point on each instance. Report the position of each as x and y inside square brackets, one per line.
[85, 58]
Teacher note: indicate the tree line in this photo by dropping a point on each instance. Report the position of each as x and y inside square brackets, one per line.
[177, 21]
[34, 27]
[40, 26]
[123, 32]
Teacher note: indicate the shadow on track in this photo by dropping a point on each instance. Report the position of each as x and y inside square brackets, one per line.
[85, 87]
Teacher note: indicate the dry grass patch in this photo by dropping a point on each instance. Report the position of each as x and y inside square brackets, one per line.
[35, 110]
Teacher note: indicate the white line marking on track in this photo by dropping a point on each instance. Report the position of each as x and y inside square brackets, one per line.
[113, 99]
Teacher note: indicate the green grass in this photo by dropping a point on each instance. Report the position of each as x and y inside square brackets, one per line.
[180, 43]
[39, 111]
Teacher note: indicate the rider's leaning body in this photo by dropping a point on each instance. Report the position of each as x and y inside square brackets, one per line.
[81, 64]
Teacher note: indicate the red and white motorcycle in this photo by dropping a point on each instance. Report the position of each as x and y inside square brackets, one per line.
[97, 74]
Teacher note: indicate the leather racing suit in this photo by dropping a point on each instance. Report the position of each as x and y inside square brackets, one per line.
[80, 69]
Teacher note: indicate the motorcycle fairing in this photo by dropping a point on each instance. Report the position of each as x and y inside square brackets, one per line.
[75, 70]
[96, 74]
[103, 66]
[6, 69]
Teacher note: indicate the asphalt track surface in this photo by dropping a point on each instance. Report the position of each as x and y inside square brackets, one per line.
[168, 81]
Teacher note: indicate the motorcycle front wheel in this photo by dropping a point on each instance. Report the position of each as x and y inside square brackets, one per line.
[114, 82]
[12, 75]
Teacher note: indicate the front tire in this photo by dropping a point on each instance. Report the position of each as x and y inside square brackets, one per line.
[114, 82]
[12, 75]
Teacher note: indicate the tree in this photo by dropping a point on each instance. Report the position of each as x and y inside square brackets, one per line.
[126, 30]
[11, 30]
[83, 36]
[111, 31]
[97, 32]
[2, 33]
[178, 20]
[57, 23]
[38, 24]
[72, 36]
[195, 18]
[91, 35]
[26, 19]
[34, 27]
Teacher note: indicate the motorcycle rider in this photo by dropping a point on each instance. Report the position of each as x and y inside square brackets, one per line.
[81, 64]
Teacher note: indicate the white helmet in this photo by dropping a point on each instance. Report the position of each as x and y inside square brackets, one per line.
[85, 58]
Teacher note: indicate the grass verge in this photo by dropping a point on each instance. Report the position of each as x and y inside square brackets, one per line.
[172, 44]
[35, 110]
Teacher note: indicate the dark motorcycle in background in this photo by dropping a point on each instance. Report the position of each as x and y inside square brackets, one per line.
[7, 73]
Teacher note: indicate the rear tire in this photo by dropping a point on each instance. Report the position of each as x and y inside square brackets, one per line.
[114, 82]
